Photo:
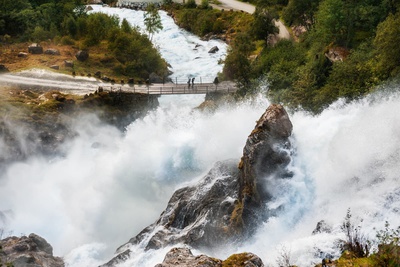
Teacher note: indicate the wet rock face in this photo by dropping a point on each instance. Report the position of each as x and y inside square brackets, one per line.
[31, 251]
[228, 204]
[266, 154]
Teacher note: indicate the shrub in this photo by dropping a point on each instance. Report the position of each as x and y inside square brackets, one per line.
[388, 254]
[355, 242]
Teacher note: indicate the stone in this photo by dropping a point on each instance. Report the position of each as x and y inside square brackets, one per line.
[3, 68]
[55, 67]
[35, 49]
[97, 74]
[52, 51]
[213, 50]
[228, 204]
[82, 55]
[322, 227]
[31, 251]
[68, 63]
[22, 54]
[183, 257]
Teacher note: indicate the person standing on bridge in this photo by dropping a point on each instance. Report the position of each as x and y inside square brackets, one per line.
[193, 82]
[188, 82]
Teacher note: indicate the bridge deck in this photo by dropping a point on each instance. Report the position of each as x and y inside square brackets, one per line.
[176, 89]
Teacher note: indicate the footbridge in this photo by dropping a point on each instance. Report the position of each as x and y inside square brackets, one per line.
[174, 89]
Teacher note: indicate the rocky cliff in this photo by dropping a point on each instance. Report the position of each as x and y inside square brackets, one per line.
[228, 204]
[28, 251]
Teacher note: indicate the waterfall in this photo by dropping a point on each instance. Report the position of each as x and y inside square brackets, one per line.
[109, 185]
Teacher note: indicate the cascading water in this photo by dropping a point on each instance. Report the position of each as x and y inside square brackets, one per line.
[108, 186]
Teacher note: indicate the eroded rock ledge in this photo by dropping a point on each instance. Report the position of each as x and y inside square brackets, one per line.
[228, 204]
[28, 251]
[183, 257]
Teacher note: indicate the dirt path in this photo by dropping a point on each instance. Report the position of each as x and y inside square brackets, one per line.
[249, 8]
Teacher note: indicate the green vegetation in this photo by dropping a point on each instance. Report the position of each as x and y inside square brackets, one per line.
[152, 20]
[356, 248]
[119, 49]
[345, 49]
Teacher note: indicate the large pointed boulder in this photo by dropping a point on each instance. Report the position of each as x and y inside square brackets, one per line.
[227, 205]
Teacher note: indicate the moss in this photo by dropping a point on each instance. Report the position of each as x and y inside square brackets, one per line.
[236, 260]
[236, 219]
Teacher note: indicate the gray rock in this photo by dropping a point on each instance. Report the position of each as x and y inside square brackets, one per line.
[22, 54]
[183, 257]
[52, 51]
[213, 50]
[82, 55]
[228, 204]
[31, 251]
[35, 49]
[55, 67]
[322, 227]
[68, 63]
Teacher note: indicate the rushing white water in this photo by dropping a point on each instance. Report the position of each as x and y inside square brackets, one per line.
[110, 185]
[185, 52]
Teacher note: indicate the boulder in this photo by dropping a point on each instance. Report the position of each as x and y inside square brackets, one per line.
[183, 257]
[31, 251]
[3, 68]
[68, 63]
[228, 204]
[213, 50]
[22, 54]
[97, 74]
[35, 49]
[322, 227]
[52, 51]
[55, 67]
[82, 55]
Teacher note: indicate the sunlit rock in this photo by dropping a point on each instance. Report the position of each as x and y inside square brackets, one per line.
[31, 251]
[183, 257]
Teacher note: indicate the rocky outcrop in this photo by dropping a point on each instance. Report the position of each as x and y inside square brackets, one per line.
[35, 49]
[183, 257]
[265, 155]
[227, 205]
[335, 54]
[31, 251]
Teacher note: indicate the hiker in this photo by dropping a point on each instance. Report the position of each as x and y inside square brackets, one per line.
[216, 81]
[192, 82]
[188, 82]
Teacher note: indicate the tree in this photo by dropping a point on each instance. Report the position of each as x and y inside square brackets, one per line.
[263, 24]
[386, 43]
[301, 12]
[152, 20]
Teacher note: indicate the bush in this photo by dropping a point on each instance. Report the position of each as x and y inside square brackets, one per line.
[388, 254]
[355, 242]
[66, 40]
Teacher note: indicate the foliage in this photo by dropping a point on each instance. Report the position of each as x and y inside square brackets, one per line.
[389, 247]
[263, 24]
[301, 12]
[152, 20]
[355, 242]
[237, 64]
[387, 46]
